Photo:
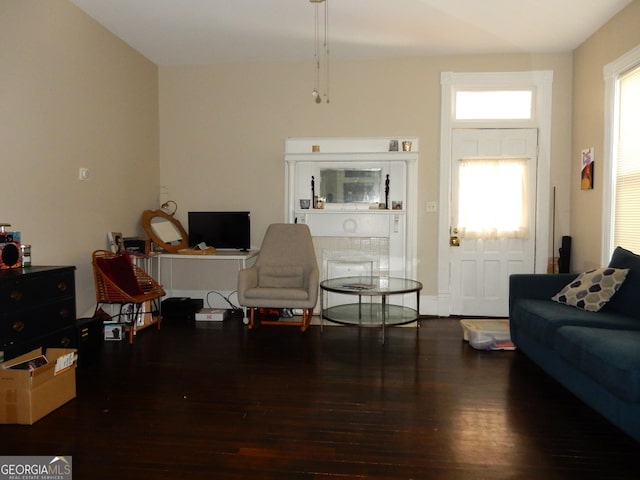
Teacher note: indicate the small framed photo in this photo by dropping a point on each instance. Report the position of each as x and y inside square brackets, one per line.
[113, 332]
[116, 242]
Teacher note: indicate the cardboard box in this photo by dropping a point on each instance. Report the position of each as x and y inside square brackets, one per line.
[28, 395]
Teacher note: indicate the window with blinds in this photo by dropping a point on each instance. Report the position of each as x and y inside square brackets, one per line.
[626, 212]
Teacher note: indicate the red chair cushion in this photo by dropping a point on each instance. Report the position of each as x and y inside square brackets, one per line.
[120, 271]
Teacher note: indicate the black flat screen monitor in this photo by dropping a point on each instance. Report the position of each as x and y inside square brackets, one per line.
[222, 230]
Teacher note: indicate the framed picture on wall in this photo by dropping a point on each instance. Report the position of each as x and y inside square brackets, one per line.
[586, 172]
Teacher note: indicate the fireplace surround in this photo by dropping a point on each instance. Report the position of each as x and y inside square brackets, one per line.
[362, 199]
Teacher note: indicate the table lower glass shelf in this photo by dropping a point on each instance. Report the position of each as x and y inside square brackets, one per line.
[369, 314]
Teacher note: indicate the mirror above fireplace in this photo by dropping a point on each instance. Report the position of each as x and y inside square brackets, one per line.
[351, 185]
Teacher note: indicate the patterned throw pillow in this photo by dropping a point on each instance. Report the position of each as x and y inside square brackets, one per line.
[592, 290]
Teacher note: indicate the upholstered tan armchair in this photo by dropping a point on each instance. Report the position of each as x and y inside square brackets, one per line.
[285, 275]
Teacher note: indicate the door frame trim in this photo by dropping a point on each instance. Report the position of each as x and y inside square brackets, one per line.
[542, 82]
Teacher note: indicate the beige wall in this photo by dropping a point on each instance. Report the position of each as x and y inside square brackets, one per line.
[72, 95]
[75, 96]
[618, 36]
[222, 129]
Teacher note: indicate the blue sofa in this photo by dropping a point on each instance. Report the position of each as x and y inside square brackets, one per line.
[596, 355]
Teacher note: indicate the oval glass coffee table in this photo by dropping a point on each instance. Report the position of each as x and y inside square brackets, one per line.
[370, 313]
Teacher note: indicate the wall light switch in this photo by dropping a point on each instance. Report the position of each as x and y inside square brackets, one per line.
[432, 206]
[84, 174]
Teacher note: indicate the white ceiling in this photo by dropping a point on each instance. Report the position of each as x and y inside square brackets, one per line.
[179, 32]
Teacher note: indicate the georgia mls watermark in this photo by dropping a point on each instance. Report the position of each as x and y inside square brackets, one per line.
[36, 468]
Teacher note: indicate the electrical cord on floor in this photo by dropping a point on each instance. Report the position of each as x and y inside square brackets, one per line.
[235, 308]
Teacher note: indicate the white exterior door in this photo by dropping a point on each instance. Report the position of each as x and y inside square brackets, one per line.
[481, 259]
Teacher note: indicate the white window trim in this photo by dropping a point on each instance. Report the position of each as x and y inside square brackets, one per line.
[542, 82]
[611, 94]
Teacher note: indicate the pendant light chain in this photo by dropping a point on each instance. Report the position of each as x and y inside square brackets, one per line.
[321, 55]
[316, 90]
[326, 46]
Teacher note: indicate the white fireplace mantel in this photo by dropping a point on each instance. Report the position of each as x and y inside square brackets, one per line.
[358, 224]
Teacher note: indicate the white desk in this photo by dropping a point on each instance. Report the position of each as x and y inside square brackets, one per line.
[220, 255]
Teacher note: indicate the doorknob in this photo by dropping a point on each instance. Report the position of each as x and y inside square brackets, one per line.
[454, 240]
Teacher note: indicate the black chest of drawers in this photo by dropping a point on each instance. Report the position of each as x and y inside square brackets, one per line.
[37, 309]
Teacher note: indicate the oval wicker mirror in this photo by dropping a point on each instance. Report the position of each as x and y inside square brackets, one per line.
[165, 230]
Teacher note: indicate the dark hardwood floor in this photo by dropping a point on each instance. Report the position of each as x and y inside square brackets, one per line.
[220, 402]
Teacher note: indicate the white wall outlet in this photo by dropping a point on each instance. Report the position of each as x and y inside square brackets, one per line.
[432, 207]
[84, 174]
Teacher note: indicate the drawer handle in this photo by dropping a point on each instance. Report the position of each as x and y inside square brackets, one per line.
[18, 326]
[62, 286]
[15, 296]
[65, 342]
[65, 312]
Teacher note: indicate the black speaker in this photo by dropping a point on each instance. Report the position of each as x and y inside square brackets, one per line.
[89, 333]
[10, 256]
[181, 309]
[564, 261]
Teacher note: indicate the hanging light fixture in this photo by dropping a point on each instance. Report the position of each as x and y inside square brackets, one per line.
[321, 54]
